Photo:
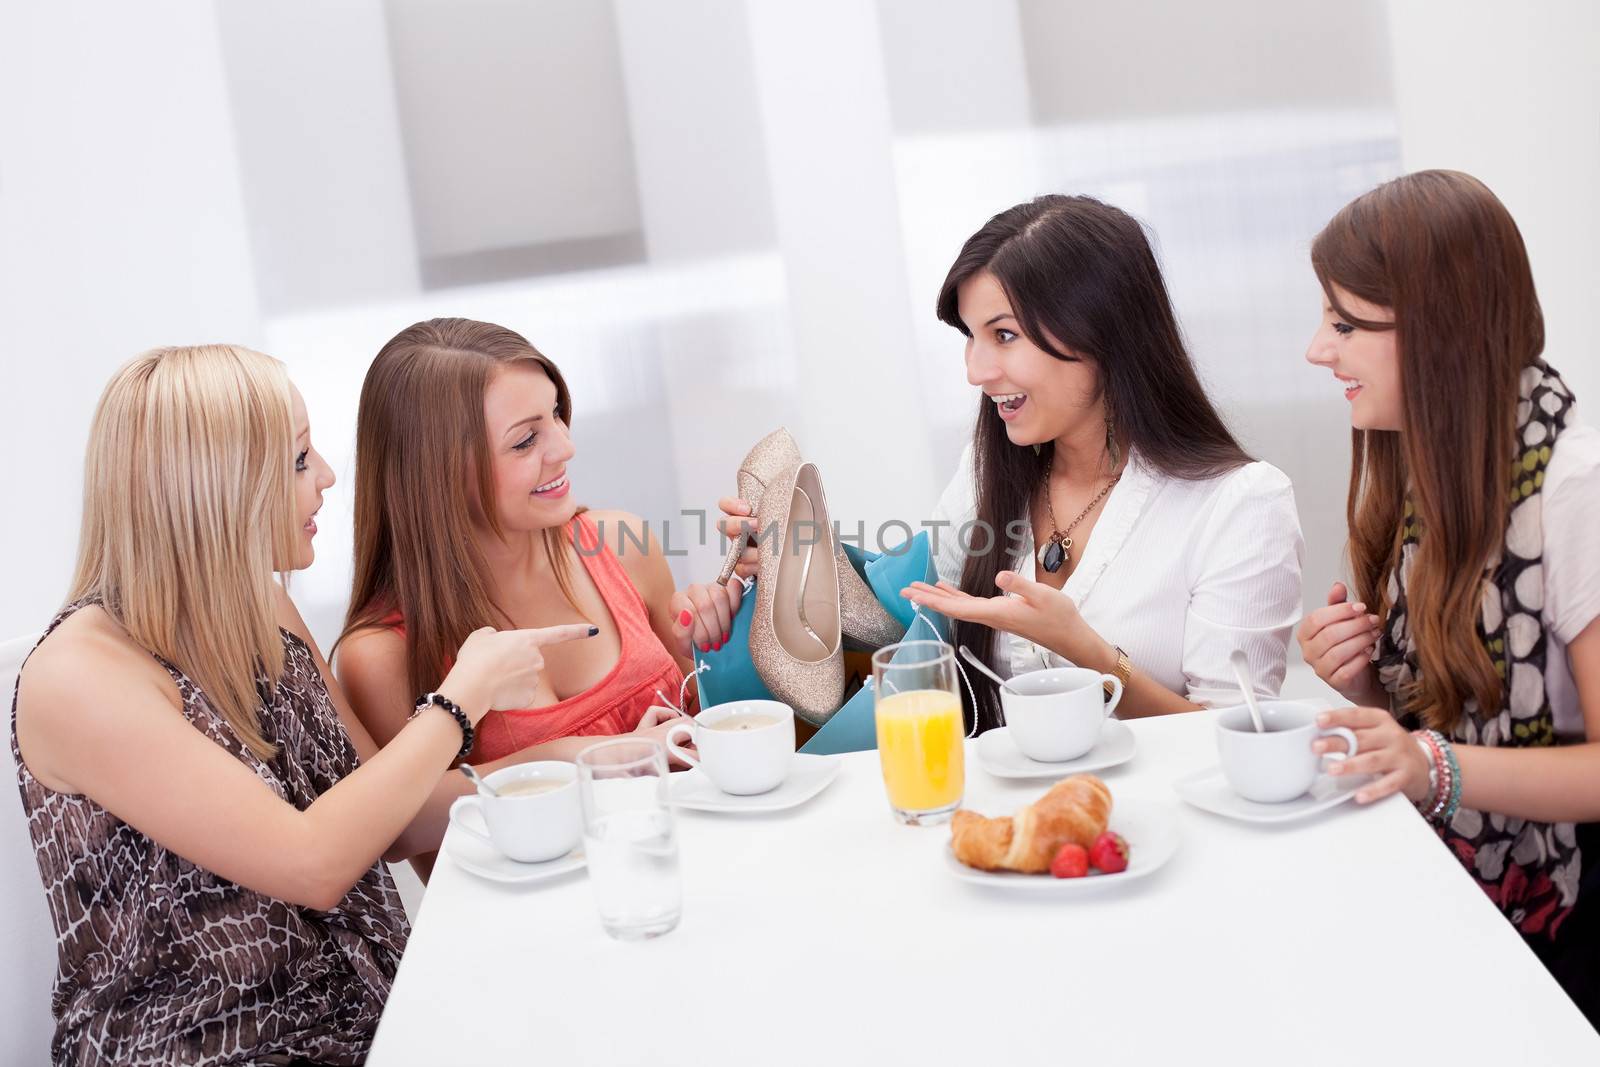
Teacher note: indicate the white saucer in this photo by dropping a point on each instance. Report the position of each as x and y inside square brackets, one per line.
[1208, 790]
[808, 776]
[1150, 828]
[999, 755]
[485, 861]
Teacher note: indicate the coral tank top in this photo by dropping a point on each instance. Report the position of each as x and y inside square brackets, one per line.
[616, 703]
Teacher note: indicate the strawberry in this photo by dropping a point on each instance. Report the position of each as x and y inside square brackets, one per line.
[1071, 862]
[1109, 853]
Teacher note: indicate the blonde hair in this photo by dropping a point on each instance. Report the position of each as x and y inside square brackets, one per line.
[188, 508]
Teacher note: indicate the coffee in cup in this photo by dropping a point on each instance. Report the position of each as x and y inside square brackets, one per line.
[533, 818]
[747, 721]
[528, 787]
[745, 747]
[1278, 764]
[1057, 714]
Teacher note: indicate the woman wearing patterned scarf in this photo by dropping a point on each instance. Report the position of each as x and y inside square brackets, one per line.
[1471, 641]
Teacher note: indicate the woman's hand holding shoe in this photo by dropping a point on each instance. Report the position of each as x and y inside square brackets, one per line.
[738, 522]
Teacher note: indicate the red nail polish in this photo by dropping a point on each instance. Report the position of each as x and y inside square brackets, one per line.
[685, 619]
[705, 648]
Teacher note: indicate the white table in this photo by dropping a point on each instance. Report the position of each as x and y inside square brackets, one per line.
[831, 935]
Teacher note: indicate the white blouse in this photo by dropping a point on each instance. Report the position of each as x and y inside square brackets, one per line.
[1570, 516]
[1178, 573]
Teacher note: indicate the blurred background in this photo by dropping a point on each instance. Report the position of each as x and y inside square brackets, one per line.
[719, 216]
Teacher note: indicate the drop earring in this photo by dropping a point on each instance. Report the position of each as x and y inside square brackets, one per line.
[1112, 451]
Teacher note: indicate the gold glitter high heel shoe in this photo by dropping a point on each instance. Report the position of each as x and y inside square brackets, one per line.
[864, 620]
[772, 457]
[796, 642]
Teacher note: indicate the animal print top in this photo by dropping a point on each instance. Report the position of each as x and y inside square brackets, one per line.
[163, 962]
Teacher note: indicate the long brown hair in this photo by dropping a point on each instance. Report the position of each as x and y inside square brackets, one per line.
[423, 474]
[1080, 276]
[1440, 250]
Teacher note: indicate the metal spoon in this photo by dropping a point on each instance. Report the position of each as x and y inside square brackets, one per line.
[983, 668]
[482, 785]
[1241, 671]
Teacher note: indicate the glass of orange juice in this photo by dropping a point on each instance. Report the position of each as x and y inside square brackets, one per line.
[920, 731]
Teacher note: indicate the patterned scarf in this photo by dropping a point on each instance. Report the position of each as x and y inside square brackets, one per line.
[1529, 869]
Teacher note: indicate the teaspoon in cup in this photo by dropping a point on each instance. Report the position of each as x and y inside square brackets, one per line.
[1241, 670]
[983, 668]
[479, 782]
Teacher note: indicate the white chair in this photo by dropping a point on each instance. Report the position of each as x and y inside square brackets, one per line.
[25, 929]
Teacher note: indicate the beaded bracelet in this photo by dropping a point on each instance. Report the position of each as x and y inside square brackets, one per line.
[468, 735]
[1445, 776]
[1444, 779]
[1426, 746]
[1455, 781]
[1438, 774]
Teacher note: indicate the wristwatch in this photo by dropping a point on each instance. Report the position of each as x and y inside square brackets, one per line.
[1123, 670]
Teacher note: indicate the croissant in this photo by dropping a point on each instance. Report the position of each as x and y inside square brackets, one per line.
[1074, 810]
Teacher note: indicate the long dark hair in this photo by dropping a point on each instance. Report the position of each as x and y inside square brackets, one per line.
[1440, 250]
[1080, 276]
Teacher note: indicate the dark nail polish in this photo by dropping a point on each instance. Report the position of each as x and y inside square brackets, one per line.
[593, 630]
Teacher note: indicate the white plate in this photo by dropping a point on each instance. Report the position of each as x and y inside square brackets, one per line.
[1150, 828]
[999, 755]
[808, 776]
[485, 861]
[1208, 790]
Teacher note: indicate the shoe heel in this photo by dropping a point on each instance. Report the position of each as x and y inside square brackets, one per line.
[772, 457]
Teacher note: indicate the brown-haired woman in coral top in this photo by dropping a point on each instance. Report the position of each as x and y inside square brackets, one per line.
[465, 517]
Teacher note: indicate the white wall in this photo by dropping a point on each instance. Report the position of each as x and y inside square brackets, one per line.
[121, 227]
[180, 186]
[312, 106]
[515, 123]
[1510, 93]
[1096, 61]
[824, 102]
[696, 129]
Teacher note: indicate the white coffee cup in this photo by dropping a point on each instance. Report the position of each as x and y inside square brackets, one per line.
[1059, 712]
[529, 828]
[1278, 765]
[740, 762]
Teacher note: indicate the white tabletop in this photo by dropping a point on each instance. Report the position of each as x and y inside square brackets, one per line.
[830, 934]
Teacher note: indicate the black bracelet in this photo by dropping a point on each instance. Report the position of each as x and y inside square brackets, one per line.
[468, 735]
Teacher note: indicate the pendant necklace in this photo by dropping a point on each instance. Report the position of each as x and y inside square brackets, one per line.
[1054, 553]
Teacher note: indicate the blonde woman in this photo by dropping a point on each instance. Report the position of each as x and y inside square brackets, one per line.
[207, 814]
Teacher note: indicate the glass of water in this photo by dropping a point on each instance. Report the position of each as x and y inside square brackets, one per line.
[629, 837]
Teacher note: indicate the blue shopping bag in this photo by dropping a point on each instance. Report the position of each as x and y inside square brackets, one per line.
[728, 674]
